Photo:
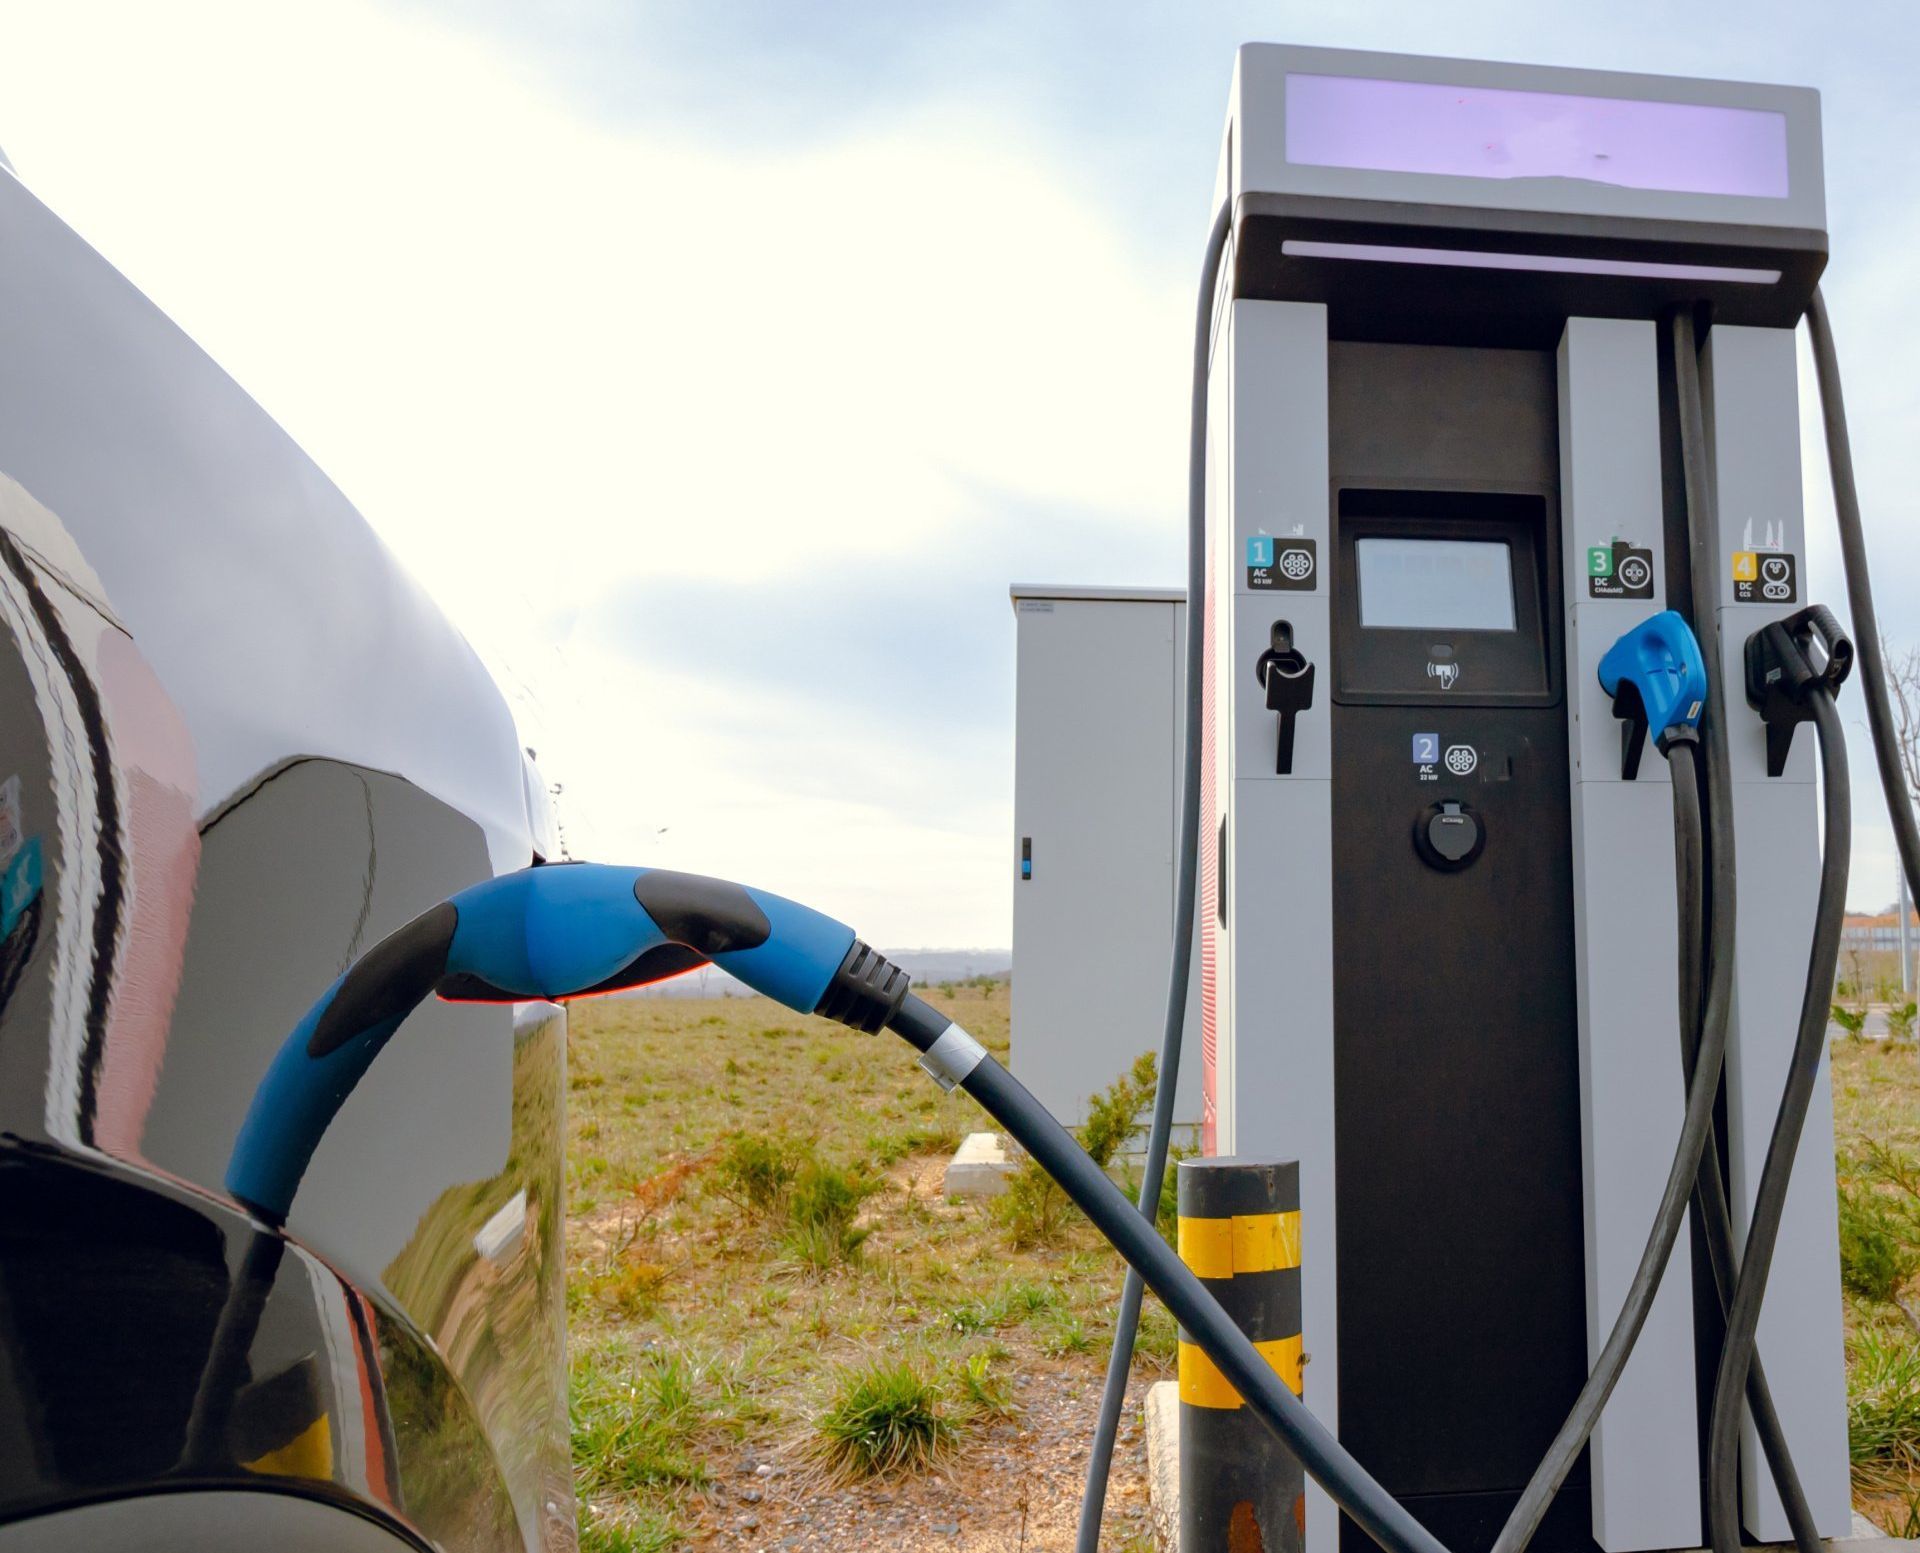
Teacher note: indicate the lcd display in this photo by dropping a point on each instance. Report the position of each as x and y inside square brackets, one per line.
[1435, 584]
[1493, 132]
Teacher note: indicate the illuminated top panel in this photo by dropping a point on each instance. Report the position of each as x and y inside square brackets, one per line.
[1337, 123]
[1494, 132]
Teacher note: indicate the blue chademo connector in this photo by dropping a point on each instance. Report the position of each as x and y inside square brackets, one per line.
[1658, 680]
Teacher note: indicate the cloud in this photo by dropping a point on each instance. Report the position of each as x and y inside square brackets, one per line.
[661, 422]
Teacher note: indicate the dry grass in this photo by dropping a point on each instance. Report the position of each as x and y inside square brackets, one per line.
[1876, 1106]
[712, 1332]
[755, 1228]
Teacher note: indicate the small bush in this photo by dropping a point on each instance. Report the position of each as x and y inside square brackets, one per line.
[1033, 1209]
[1851, 1020]
[1113, 1115]
[885, 1419]
[629, 1288]
[1900, 1017]
[756, 1171]
[1879, 1203]
[821, 1209]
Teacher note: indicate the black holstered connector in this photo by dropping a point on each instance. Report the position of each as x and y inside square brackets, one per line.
[1287, 678]
[1781, 676]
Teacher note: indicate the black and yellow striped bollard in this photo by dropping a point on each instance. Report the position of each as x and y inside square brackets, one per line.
[1241, 1491]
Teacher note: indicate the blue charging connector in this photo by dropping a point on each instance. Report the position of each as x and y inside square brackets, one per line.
[561, 931]
[1658, 680]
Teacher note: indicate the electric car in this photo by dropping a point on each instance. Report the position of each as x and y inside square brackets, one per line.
[238, 746]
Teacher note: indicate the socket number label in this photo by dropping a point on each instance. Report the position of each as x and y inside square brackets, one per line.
[1619, 571]
[1283, 565]
[1764, 577]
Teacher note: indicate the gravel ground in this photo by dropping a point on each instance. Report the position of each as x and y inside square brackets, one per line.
[1012, 1489]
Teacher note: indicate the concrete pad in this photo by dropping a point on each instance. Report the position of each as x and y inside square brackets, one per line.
[1163, 1465]
[979, 1167]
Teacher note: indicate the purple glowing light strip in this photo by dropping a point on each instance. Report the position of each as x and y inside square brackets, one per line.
[1491, 132]
[1555, 263]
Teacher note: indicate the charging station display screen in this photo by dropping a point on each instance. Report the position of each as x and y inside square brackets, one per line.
[1435, 584]
[1495, 132]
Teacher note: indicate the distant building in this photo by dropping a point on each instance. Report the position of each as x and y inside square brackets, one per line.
[1879, 931]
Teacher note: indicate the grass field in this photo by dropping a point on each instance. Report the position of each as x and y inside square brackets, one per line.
[768, 1293]
[783, 1335]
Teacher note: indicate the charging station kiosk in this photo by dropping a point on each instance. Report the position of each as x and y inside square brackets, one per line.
[1437, 946]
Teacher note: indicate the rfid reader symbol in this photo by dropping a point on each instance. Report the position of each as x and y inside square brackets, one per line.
[1296, 565]
[1462, 758]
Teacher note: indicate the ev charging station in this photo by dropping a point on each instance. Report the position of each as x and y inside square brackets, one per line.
[1444, 454]
[1438, 912]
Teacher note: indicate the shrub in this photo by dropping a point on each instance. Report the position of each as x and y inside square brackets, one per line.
[884, 1419]
[1879, 1203]
[1034, 1210]
[821, 1209]
[1851, 1020]
[756, 1171]
[1900, 1017]
[630, 1287]
[1113, 1115]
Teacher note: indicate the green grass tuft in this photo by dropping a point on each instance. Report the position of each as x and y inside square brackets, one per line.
[648, 1533]
[1883, 1418]
[985, 1391]
[634, 1421]
[885, 1419]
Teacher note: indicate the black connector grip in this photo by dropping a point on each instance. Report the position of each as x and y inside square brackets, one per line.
[1287, 677]
[1782, 679]
[865, 992]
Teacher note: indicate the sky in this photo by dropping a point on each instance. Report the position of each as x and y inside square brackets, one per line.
[718, 367]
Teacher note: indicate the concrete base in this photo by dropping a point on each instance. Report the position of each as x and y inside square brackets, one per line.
[1163, 1464]
[1163, 1485]
[979, 1167]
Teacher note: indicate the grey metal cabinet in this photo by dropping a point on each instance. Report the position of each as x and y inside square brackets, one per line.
[1098, 703]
